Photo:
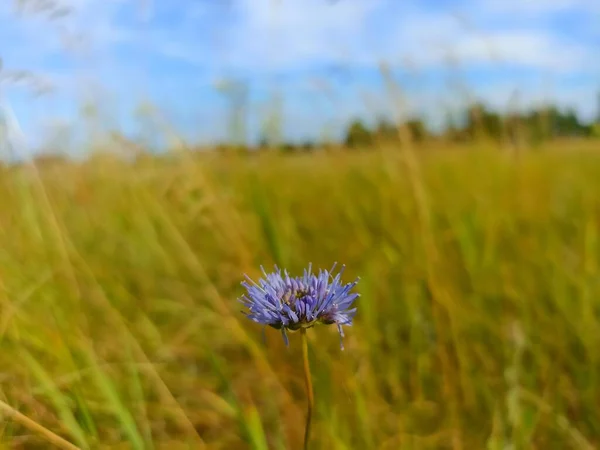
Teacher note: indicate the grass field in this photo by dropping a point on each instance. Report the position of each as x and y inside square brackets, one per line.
[478, 325]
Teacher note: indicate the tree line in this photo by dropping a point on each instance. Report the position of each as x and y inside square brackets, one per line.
[476, 122]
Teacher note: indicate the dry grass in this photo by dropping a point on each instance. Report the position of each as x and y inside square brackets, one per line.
[478, 324]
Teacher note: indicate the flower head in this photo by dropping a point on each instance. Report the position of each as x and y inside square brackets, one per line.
[292, 303]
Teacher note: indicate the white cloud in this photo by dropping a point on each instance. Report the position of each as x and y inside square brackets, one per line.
[289, 34]
[286, 35]
[537, 49]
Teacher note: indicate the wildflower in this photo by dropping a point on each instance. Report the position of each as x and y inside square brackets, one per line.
[294, 303]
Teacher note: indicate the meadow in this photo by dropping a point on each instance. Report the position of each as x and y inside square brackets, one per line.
[478, 323]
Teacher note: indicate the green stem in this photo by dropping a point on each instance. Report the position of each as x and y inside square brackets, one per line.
[309, 387]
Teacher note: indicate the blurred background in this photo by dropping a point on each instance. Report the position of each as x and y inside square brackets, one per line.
[151, 153]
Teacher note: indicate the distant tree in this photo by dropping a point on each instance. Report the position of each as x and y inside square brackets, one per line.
[492, 124]
[358, 135]
[288, 147]
[386, 130]
[567, 124]
[536, 126]
[307, 146]
[417, 129]
[482, 122]
[550, 122]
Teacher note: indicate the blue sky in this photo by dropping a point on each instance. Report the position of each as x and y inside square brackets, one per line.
[321, 56]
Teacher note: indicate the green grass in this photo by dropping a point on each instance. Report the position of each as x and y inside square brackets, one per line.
[478, 327]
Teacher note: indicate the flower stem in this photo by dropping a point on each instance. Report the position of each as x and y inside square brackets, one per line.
[309, 387]
[26, 422]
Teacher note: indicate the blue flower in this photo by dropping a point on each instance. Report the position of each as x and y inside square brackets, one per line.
[292, 303]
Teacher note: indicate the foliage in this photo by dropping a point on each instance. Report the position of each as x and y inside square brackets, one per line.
[358, 135]
[478, 122]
